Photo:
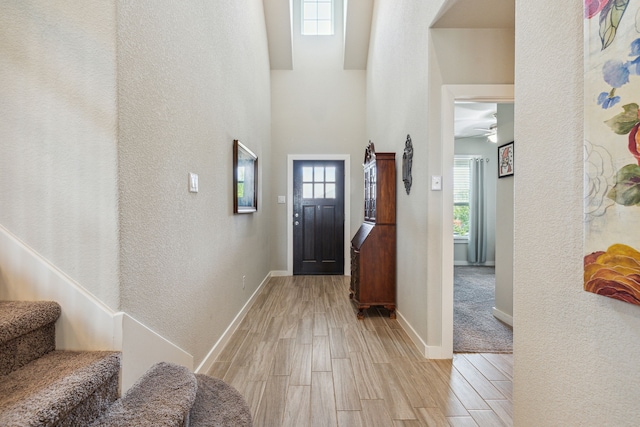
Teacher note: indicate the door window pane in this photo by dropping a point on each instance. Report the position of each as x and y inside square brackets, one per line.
[307, 174]
[331, 174]
[307, 191]
[319, 174]
[318, 191]
[330, 191]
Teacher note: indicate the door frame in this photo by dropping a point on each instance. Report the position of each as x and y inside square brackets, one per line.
[451, 94]
[347, 205]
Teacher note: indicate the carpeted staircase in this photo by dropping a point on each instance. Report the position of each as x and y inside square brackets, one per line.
[41, 386]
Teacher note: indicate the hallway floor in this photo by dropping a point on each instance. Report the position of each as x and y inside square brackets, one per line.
[301, 358]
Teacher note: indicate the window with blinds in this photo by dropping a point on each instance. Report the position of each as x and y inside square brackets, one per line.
[461, 190]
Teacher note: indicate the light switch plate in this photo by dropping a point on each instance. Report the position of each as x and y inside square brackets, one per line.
[193, 182]
[436, 183]
[282, 199]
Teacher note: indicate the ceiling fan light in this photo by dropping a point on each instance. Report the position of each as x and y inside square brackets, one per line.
[493, 138]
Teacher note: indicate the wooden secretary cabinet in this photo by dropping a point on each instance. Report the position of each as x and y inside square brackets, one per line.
[373, 248]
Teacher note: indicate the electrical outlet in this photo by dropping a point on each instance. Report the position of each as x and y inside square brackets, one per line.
[243, 277]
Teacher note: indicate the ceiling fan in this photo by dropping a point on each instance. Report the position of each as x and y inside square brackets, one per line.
[490, 132]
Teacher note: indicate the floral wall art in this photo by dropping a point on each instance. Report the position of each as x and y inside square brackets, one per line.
[612, 149]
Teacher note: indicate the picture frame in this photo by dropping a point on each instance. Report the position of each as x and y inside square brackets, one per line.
[505, 160]
[245, 179]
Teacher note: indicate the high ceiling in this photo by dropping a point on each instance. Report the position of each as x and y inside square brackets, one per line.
[453, 14]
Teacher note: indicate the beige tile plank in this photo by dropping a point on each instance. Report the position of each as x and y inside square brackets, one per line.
[505, 387]
[431, 417]
[283, 356]
[483, 365]
[350, 419]
[337, 344]
[297, 411]
[500, 362]
[374, 414]
[407, 423]
[462, 421]
[415, 386]
[460, 386]
[305, 331]
[252, 393]
[376, 349]
[218, 369]
[478, 381]
[321, 354]
[344, 385]
[445, 398]
[230, 350]
[504, 409]
[355, 341]
[365, 375]
[397, 403]
[271, 410]
[320, 326]
[301, 365]
[487, 419]
[323, 403]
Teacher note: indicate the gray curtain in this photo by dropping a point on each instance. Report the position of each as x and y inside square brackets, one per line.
[477, 250]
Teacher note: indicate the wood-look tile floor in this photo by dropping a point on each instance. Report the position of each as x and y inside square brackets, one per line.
[301, 358]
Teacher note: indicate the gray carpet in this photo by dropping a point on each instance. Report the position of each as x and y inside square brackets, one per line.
[218, 404]
[475, 329]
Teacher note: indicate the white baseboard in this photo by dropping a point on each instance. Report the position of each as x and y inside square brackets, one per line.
[428, 351]
[217, 348]
[501, 315]
[465, 263]
[279, 273]
[413, 335]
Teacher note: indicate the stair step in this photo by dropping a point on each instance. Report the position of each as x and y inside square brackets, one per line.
[60, 388]
[163, 396]
[218, 404]
[27, 331]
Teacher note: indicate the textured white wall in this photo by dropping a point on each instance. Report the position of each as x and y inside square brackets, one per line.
[397, 106]
[576, 353]
[192, 77]
[58, 153]
[317, 108]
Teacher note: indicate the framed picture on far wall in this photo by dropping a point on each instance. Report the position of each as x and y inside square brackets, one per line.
[505, 160]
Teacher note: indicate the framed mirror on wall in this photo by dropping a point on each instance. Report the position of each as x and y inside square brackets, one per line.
[245, 179]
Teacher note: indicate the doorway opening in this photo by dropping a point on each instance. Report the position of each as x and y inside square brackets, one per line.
[450, 95]
[342, 187]
[475, 327]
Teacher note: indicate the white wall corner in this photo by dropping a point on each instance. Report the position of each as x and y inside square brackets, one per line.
[217, 348]
[278, 273]
[142, 348]
[502, 316]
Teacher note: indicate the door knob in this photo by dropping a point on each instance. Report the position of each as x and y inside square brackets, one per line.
[296, 223]
[296, 214]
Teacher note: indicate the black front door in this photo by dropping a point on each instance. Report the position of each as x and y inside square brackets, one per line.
[318, 217]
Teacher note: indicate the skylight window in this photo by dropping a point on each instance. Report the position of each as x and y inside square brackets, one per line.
[317, 17]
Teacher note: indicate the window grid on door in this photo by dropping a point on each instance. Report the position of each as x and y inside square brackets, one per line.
[318, 182]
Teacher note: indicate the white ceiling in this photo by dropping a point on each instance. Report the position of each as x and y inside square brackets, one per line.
[476, 14]
[474, 119]
[471, 118]
[357, 27]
